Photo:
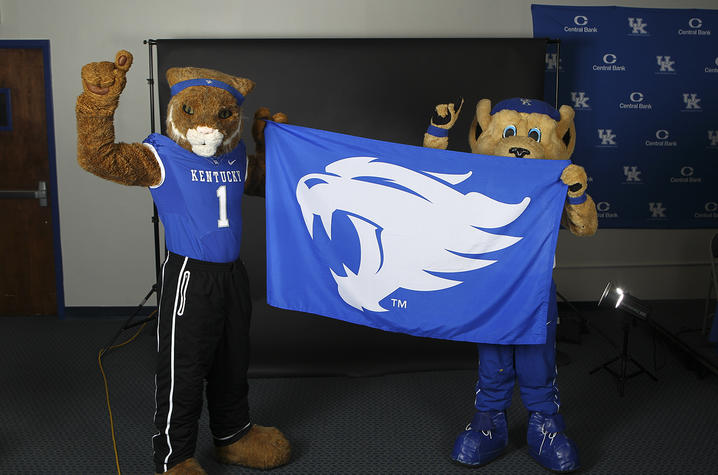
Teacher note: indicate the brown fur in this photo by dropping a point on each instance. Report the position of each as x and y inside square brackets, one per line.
[261, 447]
[135, 164]
[580, 219]
[187, 467]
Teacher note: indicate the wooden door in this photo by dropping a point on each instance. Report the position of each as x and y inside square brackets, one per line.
[29, 272]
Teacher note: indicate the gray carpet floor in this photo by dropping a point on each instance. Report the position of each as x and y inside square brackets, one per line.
[54, 419]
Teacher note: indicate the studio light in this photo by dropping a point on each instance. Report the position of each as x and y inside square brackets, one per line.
[622, 300]
[617, 298]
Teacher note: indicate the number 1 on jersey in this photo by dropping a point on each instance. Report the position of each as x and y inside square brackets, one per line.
[222, 222]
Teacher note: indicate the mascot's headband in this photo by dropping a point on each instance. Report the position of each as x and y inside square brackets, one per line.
[529, 106]
[182, 85]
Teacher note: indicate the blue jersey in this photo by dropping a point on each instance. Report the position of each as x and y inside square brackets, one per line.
[199, 200]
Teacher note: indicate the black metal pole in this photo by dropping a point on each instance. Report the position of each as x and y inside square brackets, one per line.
[155, 219]
[557, 42]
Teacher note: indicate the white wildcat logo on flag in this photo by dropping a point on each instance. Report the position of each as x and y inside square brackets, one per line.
[411, 225]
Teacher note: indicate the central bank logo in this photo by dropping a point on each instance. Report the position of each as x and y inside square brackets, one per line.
[632, 173]
[609, 64]
[691, 101]
[657, 210]
[710, 211]
[607, 138]
[383, 202]
[580, 25]
[663, 139]
[638, 26]
[665, 64]
[603, 209]
[696, 28]
[580, 100]
[687, 175]
[638, 102]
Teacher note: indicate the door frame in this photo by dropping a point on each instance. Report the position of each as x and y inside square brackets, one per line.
[44, 45]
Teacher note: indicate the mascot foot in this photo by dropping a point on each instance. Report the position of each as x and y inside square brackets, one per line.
[188, 467]
[483, 440]
[261, 447]
[548, 444]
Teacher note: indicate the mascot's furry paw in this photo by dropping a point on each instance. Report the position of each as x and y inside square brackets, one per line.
[262, 447]
[575, 177]
[188, 467]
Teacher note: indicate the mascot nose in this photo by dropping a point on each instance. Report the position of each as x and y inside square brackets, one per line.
[204, 130]
[519, 152]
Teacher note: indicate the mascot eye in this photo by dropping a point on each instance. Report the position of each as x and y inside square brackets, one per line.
[509, 131]
[225, 113]
[535, 134]
[187, 109]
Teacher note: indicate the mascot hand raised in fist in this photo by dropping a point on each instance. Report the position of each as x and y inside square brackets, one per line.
[197, 176]
[531, 129]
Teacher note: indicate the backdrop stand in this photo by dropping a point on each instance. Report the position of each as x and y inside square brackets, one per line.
[155, 222]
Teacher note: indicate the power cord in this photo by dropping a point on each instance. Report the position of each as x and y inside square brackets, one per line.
[100, 354]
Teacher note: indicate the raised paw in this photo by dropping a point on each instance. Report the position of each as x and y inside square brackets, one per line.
[445, 115]
[106, 78]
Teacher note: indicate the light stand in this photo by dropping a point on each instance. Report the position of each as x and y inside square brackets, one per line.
[155, 224]
[634, 308]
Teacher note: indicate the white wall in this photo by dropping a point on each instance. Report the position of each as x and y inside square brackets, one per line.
[107, 240]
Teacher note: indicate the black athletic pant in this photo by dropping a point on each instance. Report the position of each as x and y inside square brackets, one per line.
[202, 335]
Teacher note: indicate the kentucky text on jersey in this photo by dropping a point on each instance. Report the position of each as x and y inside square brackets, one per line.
[201, 221]
[208, 176]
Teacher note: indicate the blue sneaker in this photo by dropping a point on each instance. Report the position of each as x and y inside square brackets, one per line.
[483, 440]
[548, 444]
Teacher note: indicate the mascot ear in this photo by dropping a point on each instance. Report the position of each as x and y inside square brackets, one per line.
[481, 121]
[566, 129]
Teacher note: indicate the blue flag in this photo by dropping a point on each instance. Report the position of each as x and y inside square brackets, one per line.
[408, 239]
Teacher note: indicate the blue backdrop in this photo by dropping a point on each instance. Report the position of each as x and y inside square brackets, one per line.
[644, 85]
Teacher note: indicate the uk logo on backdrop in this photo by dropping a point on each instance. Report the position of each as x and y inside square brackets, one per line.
[691, 102]
[657, 210]
[712, 138]
[665, 65]
[580, 101]
[607, 139]
[552, 61]
[632, 174]
[637, 27]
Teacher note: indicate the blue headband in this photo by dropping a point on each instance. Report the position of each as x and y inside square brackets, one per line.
[527, 105]
[182, 85]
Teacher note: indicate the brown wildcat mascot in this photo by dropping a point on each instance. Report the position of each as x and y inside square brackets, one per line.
[197, 177]
[521, 128]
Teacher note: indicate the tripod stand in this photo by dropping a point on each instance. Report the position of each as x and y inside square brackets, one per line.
[624, 359]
